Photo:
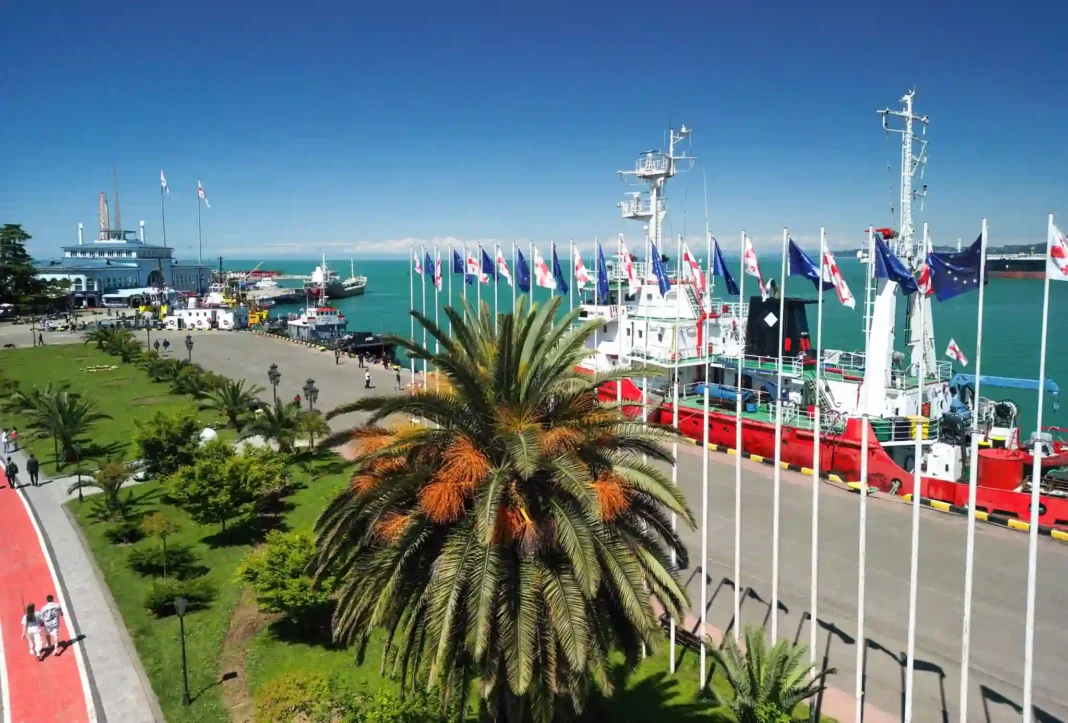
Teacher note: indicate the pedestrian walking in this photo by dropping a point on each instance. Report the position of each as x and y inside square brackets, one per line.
[40, 338]
[11, 471]
[296, 399]
[361, 361]
[14, 439]
[50, 616]
[399, 379]
[4, 441]
[166, 345]
[31, 630]
[33, 468]
[337, 357]
[156, 345]
[367, 379]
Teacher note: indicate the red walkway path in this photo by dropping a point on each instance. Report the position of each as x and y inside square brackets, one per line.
[35, 692]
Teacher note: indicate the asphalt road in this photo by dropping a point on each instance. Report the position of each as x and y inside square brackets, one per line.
[996, 679]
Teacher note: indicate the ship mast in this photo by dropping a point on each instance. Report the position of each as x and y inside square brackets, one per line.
[880, 350]
[655, 168]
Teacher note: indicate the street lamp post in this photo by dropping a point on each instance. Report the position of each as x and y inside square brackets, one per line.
[189, 347]
[275, 376]
[148, 336]
[311, 393]
[180, 606]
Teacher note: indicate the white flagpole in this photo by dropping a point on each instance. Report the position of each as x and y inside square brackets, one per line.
[778, 451]
[465, 281]
[496, 253]
[437, 304]
[973, 472]
[163, 212]
[552, 255]
[704, 540]
[675, 416]
[515, 277]
[531, 272]
[478, 279]
[571, 262]
[452, 272]
[917, 495]
[411, 303]
[422, 285]
[862, 548]
[1036, 483]
[596, 364]
[738, 457]
[814, 599]
[619, 315]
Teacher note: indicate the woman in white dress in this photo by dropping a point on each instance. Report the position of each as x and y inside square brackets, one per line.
[31, 629]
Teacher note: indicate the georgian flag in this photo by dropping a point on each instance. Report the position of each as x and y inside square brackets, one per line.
[582, 275]
[163, 183]
[502, 267]
[633, 285]
[923, 284]
[474, 269]
[953, 352]
[752, 267]
[1057, 265]
[437, 269]
[833, 275]
[200, 192]
[418, 264]
[691, 269]
[543, 275]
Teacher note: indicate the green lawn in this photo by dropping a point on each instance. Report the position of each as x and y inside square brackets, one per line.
[125, 393]
[157, 640]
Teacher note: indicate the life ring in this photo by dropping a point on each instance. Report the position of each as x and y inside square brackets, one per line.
[202, 323]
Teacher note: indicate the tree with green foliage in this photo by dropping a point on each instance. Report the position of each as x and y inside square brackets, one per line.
[110, 504]
[19, 284]
[768, 684]
[313, 425]
[280, 423]
[65, 416]
[161, 526]
[280, 573]
[167, 441]
[514, 542]
[101, 335]
[234, 400]
[222, 486]
[191, 380]
[311, 697]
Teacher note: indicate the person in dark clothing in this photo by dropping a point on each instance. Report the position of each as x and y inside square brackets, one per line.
[40, 338]
[361, 361]
[156, 345]
[337, 357]
[11, 471]
[399, 387]
[33, 467]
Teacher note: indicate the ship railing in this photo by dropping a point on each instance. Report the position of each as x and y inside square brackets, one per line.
[685, 357]
[639, 207]
[651, 164]
[791, 366]
[729, 309]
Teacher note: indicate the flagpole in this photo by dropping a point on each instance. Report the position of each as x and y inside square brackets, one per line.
[738, 457]
[163, 214]
[1036, 483]
[704, 540]
[973, 471]
[437, 304]
[778, 450]
[917, 495]
[411, 304]
[515, 280]
[531, 272]
[452, 272]
[675, 414]
[422, 285]
[571, 262]
[496, 253]
[465, 281]
[862, 546]
[478, 278]
[552, 288]
[814, 599]
[597, 302]
[619, 316]
[200, 238]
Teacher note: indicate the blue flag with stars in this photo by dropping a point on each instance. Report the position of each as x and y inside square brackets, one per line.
[658, 271]
[802, 265]
[487, 266]
[719, 268]
[602, 277]
[457, 262]
[522, 273]
[428, 264]
[558, 274]
[956, 273]
[888, 266]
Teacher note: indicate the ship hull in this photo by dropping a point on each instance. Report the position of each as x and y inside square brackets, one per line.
[1014, 274]
[1016, 267]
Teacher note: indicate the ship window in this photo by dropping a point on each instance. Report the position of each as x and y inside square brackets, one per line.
[660, 336]
[628, 332]
[639, 333]
[605, 329]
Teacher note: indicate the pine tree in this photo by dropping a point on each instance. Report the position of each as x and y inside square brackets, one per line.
[18, 283]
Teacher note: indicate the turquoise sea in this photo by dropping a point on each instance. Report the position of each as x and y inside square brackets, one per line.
[1011, 326]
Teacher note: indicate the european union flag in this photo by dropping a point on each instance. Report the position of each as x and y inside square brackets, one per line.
[428, 264]
[561, 279]
[522, 273]
[802, 265]
[487, 266]
[602, 277]
[888, 266]
[956, 273]
[719, 268]
[457, 262]
[658, 271]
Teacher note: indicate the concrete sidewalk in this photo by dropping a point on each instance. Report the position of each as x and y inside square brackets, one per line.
[119, 685]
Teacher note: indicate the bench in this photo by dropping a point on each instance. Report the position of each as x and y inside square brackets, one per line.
[685, 638]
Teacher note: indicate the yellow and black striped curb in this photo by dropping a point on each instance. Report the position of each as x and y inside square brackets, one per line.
[1000, 520]
[309, 344]
[855, 486]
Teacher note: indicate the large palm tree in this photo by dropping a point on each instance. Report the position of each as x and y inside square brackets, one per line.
[108, 480]
[282, 423]
[66, 416]
[102, 335]
[519, 536]
[234, 400]
[768, 683]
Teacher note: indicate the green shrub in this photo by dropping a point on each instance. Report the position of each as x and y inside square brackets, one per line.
[313, 698]
[124, 532]
[279, 573]
[297, 696]
[161, 596]
[390, 706]
[167, 441]
[152, 559]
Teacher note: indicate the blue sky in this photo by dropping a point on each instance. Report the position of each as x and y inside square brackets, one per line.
[354, 127]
